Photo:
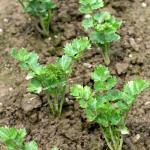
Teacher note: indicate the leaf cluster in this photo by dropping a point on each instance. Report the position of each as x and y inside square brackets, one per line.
[48, 77]
[103, 26]
[104, 104]
[38, 7]
[13, 139]
[88, 6]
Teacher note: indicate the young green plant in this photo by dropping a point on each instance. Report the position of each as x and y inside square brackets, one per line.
[108, 106]
[13, 139]
[102, 26]
[40, 12]
[52, 78]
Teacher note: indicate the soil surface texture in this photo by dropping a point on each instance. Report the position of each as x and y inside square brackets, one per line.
[130, 58]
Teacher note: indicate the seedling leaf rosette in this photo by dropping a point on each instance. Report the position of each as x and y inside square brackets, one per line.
[13, 139]
[52, 78]
[101, 26]
[107, 106]
[40, 12]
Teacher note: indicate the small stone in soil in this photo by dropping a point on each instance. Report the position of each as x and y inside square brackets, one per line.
[69, 31]
[136, 138]
[122, 68]
[30, 102]
[6, 20]
[130, 55]
[1, 31]
[134, 44]
[87, 65]
[144, 5]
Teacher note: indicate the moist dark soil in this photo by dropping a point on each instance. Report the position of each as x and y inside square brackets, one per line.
[130, 58]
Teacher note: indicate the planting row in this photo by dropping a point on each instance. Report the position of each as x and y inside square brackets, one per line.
[103, 103]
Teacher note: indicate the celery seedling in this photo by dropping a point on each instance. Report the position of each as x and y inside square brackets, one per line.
[107, 106]
[51, 78]
[13, 139]
[41, 13]
[102, 26]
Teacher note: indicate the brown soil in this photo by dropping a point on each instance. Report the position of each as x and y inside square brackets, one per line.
[130, 58]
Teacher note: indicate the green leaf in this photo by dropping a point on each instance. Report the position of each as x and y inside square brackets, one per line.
[105, 85]
[21, 55]
[11, 137]
[111, 36]
[33, 58]
[77, 47]
[102, 38]
[83, 94]
[65, 62]
[122, 106]
[35, 86]
[87, 6]
[135, 87]
[110, 96]
[101, 17]
[7, 133]
[76, 91]
[102, 120]
[79, 91]
[31, 146]
[55, 148]
[115, 117]
[87, 23]
[39, 8]
[102, 78]
[85, 9]
[101, 73]
[83, 103]
[90, 115]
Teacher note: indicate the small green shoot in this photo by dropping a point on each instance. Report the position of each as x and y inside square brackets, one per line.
[41, 13]
[13, 139]
[55, 148]
[52, 78]
[102, 26]
[107, 106]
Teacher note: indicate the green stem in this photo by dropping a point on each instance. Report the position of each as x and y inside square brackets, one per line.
[51, 105]
[106, 139]
[117, 141]
[105, 53]
[45, 27]
[121, 143]
[22, 4]
[113, 138]
[61, 103]
[56, 103]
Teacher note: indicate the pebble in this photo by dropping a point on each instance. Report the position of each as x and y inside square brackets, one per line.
[88, 16]
[130, 55]
[10, 89]
[136, 138]
[70, 31]
[144, 5]
[6, 20]
[87, 65]
[122, 68]
[134, 45]
[30, 102]
[56, 36]
[1, 31]
[49, 38]
[147, 103]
